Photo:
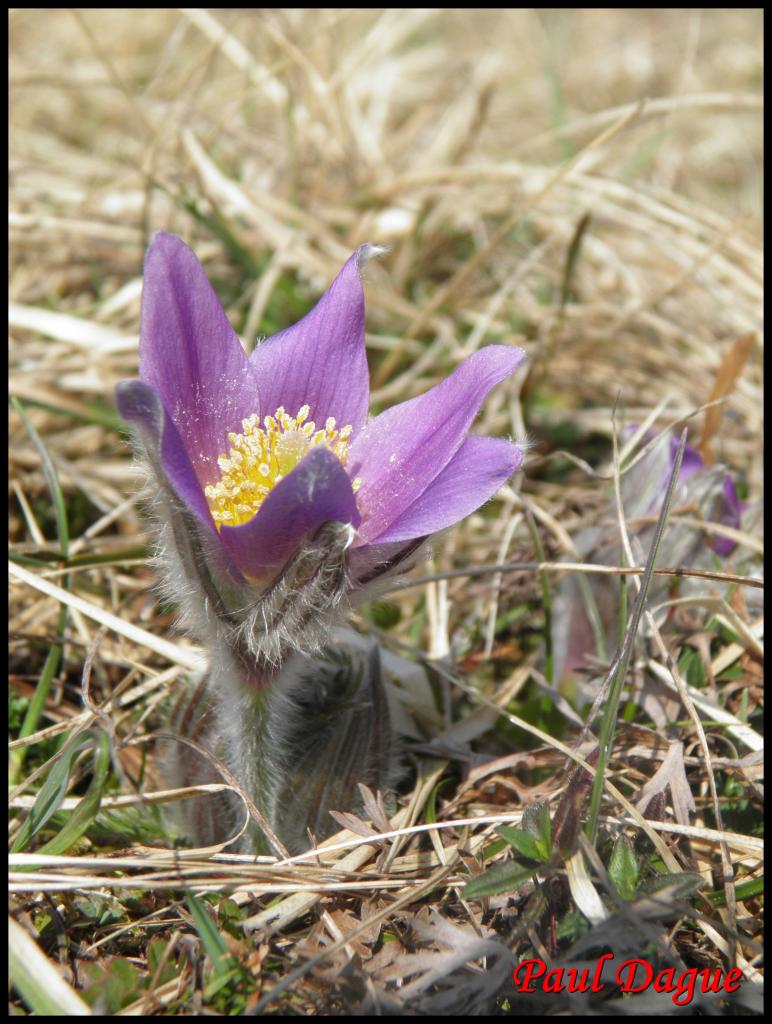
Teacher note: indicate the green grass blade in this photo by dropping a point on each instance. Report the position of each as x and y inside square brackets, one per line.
[51, 667]
[214, 946]
[88, 808]
[618, 670]
[38, 702]
[54, 789]
[52, 479]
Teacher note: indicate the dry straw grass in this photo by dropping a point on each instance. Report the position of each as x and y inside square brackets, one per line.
[582, 183]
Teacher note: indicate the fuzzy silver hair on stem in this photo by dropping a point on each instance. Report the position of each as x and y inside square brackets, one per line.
[324, 731]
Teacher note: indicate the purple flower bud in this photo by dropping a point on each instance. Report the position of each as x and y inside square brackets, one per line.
[709, 490]
[714, 490]
[277, 499]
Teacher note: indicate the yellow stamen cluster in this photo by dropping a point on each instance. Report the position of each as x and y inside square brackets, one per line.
[261, 456]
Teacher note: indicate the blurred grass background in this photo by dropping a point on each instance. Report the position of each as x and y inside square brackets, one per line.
[584, 183]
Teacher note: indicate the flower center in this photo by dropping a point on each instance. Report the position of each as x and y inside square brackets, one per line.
[262, 456]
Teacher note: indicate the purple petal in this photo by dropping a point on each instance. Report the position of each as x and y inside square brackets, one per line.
[728, 510]
[139, 405]
[733, 507]
[473, 475]
[321, 360]
[404, 449]
[691, 464]
[190, 354]
[317, 491]
[373, 565]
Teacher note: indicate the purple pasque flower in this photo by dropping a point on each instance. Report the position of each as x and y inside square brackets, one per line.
[262, 455]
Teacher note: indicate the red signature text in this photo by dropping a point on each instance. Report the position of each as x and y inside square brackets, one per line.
[631, 976]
